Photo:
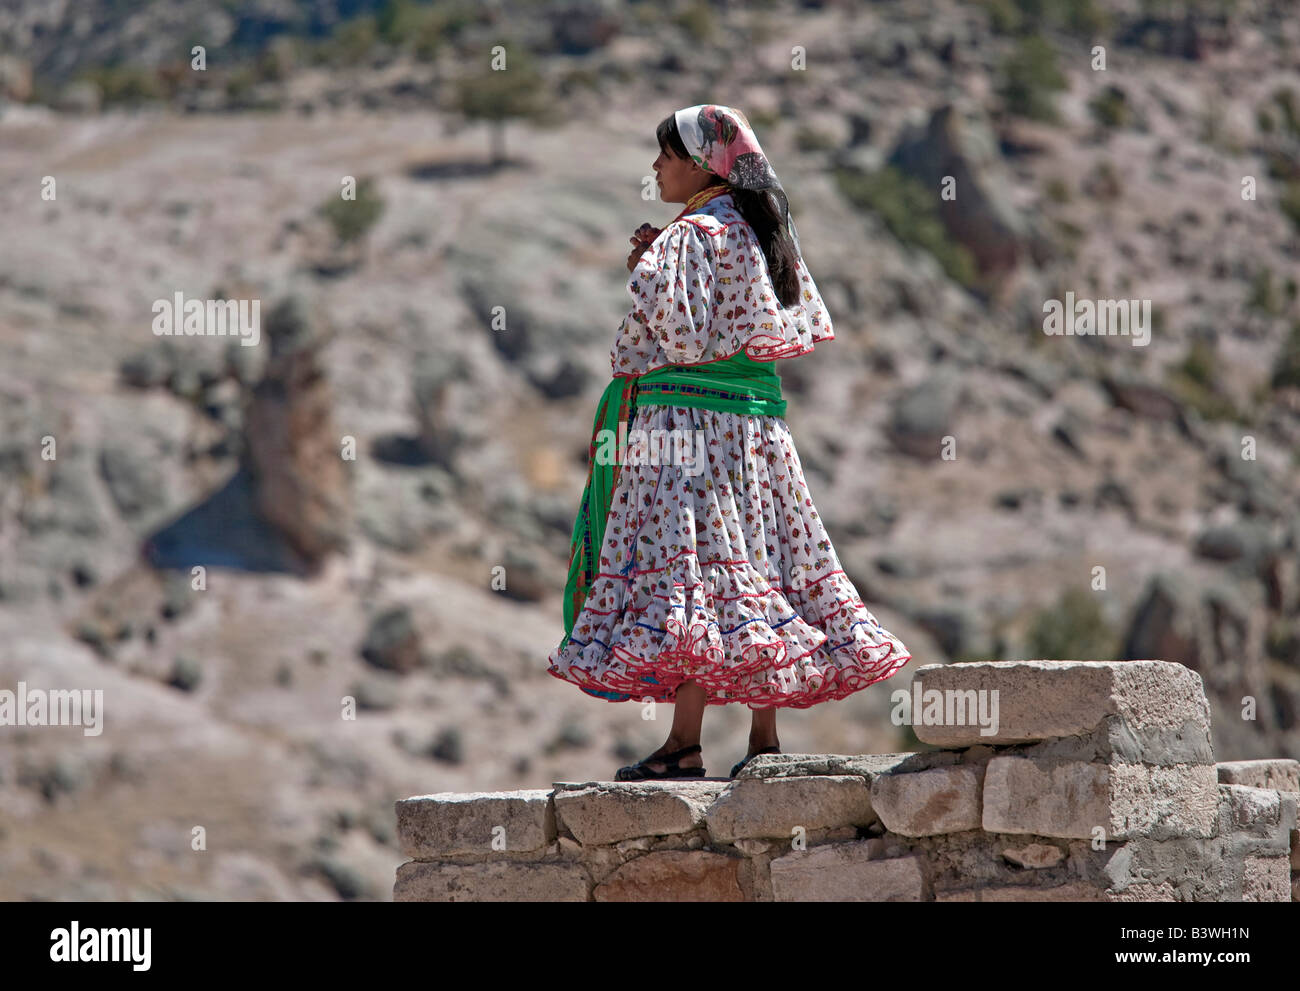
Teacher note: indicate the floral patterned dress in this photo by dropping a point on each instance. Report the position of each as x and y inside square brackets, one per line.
[723, 575]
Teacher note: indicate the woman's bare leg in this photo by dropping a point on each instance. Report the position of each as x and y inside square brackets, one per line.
[688, 716]
[762, 730]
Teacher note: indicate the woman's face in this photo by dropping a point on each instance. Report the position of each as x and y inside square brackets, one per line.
[679, 178]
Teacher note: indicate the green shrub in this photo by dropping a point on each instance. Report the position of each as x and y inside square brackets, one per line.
[1192, 382]
[1284, 99]
[1030, 78]
[1286, 369]
[124, 84]
[351, 219]
[1290, 202]
[811, 139]
[1072, 629]
[275, 63]
[911, 213]
[1057, 190]
[698, 21]
[1198, 364]
[1103, 182]
[399, 21]
[1004, 16]
[1110, 107]
[239, 84]
[1263, 295]
[1082, 18]
[352, 43]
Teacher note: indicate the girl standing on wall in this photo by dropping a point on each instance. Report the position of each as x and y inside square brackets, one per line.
[703, 583]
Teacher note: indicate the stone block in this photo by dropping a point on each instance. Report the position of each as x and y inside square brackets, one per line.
[927, 803]
[674, 876]
[460, 824]
[1072, 799]
[1256, 820]
[610, 812]
[1146, 706]
[1278, 773]
[846, 872]
[771, 808]
[493, 881]
[1266, 879]
[1196, 869]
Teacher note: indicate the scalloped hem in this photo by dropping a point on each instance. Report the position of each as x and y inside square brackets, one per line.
[659, 679]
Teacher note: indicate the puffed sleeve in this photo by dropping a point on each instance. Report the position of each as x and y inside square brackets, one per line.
[671, 287]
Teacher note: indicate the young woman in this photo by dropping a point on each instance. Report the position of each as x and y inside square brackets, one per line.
[701, 573]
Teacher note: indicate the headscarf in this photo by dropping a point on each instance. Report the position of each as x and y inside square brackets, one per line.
[721, 140]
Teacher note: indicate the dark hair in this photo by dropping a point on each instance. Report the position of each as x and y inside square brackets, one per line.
[761, 215]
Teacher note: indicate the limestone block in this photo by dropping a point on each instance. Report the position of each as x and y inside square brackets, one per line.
[1257, 820]
[1254, 810]
[1071, 799]
[1266, 879]
[674, 876]
[1278, 773]
[459, 824]
[762, 808]
[610, 812]
[942, 800]
[1149, 704]
[493, 881]
[846, 872]
[1198, 869]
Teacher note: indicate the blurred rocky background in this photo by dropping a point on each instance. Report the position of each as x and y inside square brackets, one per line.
[453, 322]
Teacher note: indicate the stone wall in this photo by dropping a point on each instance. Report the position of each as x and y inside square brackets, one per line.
[1098, 784]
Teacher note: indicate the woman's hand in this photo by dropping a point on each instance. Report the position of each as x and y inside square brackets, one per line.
[646, 233]
[641, 239]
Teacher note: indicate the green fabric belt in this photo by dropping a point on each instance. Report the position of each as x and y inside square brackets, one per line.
[732, 385]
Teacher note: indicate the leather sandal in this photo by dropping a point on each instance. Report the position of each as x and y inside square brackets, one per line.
[766, 750]
[640, 772]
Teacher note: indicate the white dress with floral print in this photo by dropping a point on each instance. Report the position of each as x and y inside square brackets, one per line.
[723, 576]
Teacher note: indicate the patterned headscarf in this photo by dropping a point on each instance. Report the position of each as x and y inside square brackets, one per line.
[721, 140]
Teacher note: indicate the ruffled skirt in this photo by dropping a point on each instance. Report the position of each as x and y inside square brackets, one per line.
[720, 573]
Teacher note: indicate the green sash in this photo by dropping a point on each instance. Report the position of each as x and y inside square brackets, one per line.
[733, 385]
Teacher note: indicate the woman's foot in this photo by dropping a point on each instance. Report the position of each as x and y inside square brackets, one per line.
[670, 747]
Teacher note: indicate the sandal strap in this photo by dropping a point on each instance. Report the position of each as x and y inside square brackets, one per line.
[668, 760]
[677, 755]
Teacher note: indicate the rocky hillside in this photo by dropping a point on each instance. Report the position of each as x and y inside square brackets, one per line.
[1098, 499]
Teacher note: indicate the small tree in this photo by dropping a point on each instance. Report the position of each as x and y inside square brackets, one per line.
[498, 95]
[351, 219]
[1030, 79]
